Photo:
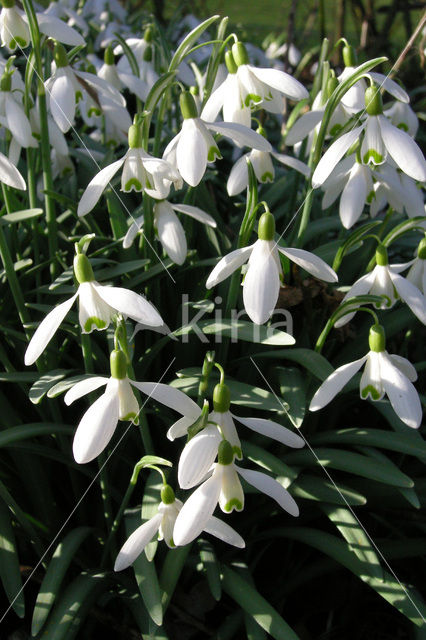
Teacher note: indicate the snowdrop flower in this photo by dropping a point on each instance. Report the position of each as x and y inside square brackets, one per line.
[98, 305]
[141, 172]
[14, 30]
[200, 452]
[417, 273]
[169, 229]
[224, 487]
[104, 9]
[398, 190]
[276, 50]
[194, 145]
[163, 522]
[385, 281]
[261, 162]
[66, 87]
[380, 139]
[262, 279]
[248, 87]
[10, 175]
[402, 116]
[119, 79]
[383, 374]
[12, 114]
[60, 10]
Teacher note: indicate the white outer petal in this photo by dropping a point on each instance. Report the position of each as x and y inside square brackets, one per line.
[224, 532]
[18, 123]
[403, 150]
[96, 187]
[97, 426]
[404, 366]
[261, 283]
[84, 387]
[403, 396]
[197, 511]
[62, 99]
[294, 163]
[137, 542]
[171, 397]
[196, 213]
[354, 196]
[282, 82]
[170, 232]
[334, 383]
[304, 125]
[311, 263]
[271, 488]
[130, 304]
[10, 175]
[333, 155]
[410, 294]
[197, 457]
[240, 134]
[227, 265]
[180, 428]
[273, 430]
[132, 232]
[215, 103]
[191, 153]
[390, 86]
[46, 330]
[59, 30]
[238, 176]
[360, 287]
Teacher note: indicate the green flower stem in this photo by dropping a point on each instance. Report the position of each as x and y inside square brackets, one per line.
[380, 234]
[116, 523]
[206, 370]
[9, 268]
[44, 141]
[328, 327]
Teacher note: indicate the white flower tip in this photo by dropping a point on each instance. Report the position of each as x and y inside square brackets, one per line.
[122, 562]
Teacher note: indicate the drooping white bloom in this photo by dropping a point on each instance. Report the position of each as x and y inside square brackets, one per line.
[169, 228]
[224, 486]
[119, 78]
[141, 172]
[98, 304]
[275, 50]
[383, 374]
[417, 272]
[263, 167]
[60, 10]
[262, 279]
[10, 175]
[14, 30]
[12, 114]
[194, 145]
[402, 116]
[163, 522]
[384, 280]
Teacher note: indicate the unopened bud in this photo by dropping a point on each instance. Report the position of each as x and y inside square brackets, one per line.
[83, 269]
[266, 229]
[377, 338]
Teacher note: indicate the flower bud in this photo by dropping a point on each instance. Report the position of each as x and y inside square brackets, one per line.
[421, 250]
[266, 229]
[349, 56]
[377, 338]
[373, 101]
[83, 269]
[225, 453]
[118, 364]
[221, 398]
[109, 57]
[188, 106]
[135, 136]
[167, 494]
[230, 62]
[240, 54]
[60, 55]
[382, 256]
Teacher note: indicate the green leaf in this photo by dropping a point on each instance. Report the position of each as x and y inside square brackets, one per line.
[352, 463]
[355, 536]
[26, 431]
[73, 606]
[20, 216]
[10, 573]
[292, 388]
[146, 576]
[242, 330]
[188, 43]
[211, 567]
[310, 360]
[312, 487]
[402, 442]
[150, 502]
[56, 570]
[269, 461]
[43, 384]
[154, 95]
[171, 570]
[402, 228]
[354, 238]
[249, 599]
[18, 376]
[66, 384]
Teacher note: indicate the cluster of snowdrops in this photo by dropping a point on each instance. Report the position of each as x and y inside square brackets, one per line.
[372, 164]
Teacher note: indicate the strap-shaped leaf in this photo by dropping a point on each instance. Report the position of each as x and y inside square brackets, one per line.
[312, 487]
[9, 563]
[211, 567]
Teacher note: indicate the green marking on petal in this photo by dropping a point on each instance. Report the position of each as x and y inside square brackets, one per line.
[402, 126]
[237, 452]
[130, 417]
[94, 323]
[371, 196]
[234, 503]
[213, 154]
[252, 97]
[375, 157]
[78, 96]
[94, 111]
[335, 129]
[171, 543]
[133, 183]
[371, 391]
[267, 177]
[21, 41]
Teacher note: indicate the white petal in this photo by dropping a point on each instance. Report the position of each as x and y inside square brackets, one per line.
[10, 175]
[198, 456]
[390, 86]
[404, 366]
[272, 430]
[171, 397]
[197, 511]
[227, 265]
[304, 125]
[311, 263]
[180, 428]
[354, 196]
[96, 187]
[403, 396]
[294, 163]
[137, 542]
[410, 294]
[224, 532]
[130, 304]
[196, 213]
[46, 330]
[333, 155]
[84, 387]
[96, 428]
[18, 123]
[334, 383]
[132, 232]
[57, 29]
[372, 147]
[359, 288]
[272, 488]
[261, 283]
[191, 153]
[62, 101]
[281, 81]
[170, 232]
[371, 379]
[241, 135]
[238, 177]
[135, 85]
[214, 104]
[403, 150]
